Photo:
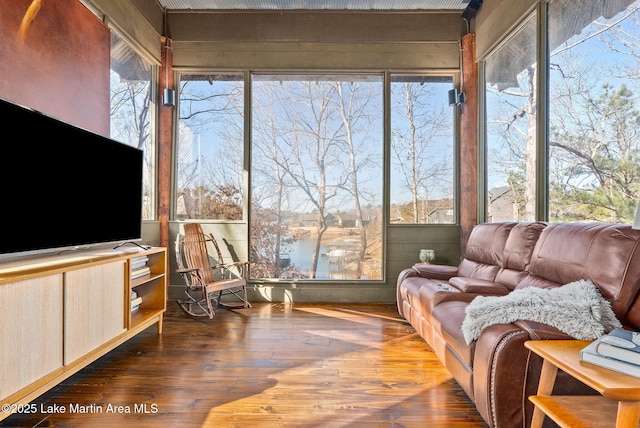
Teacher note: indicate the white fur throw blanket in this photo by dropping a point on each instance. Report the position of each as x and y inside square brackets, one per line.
[577, 309]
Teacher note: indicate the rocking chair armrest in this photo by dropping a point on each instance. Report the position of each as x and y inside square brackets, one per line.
[195, 274]
[234, 270]
[190, 270]
[232, 264]
[236, 264]
[229, 265]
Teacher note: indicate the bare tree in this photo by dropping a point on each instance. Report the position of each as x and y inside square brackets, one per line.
[210, 156]
[269, 231]
[414, 136]
[355, 113]
[130, 124]
[516, 128]
[309, 152]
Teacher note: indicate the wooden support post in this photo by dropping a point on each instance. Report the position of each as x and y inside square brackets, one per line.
[468, 141]
[165, 133]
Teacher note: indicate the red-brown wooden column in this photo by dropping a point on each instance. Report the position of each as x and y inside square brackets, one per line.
[468, 140]
[165, 127]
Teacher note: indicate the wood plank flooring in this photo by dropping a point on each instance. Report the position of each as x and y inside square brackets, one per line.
[273, 365]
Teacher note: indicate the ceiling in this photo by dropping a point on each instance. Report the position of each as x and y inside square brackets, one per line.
[383, 5]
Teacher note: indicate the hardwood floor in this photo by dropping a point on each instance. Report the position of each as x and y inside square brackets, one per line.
[274, 365]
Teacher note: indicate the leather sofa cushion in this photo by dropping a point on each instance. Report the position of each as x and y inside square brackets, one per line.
[604, 253]
[520, 244]
[433, 293]
[486, 244]
[478, 286]
[447, 318]
[562, 250]
[536, 281]
[474, 269]
[443, 272]
[517, 253]
[409, 290]
[511, 278]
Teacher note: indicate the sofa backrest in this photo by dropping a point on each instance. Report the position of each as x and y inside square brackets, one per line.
[483, 255]
[516, 256]
[606, 254]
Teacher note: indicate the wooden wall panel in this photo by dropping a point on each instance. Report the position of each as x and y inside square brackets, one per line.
[54, 58]
[317, 56]
[314, 26]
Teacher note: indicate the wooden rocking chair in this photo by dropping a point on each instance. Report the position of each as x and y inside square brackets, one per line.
[206, 279]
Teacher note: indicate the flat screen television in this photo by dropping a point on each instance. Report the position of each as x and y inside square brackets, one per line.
[65, 187]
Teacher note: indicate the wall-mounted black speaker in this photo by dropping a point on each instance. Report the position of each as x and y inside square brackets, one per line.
[169, 97]
[455, 98]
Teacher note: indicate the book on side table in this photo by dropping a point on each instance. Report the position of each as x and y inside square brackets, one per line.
[616, 351]
[622, 345]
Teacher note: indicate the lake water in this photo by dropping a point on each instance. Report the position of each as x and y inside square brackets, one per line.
[300, 253]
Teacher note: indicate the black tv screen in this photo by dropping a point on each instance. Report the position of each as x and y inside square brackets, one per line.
[63, 186]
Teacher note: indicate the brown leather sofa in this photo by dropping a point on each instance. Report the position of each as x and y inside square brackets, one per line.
[496, 371]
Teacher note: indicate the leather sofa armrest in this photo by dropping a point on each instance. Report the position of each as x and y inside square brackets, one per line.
[478, 286]
[443, 272]
[540, 331]
[503, 365]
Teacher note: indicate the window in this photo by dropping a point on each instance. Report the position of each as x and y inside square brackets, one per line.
[511, 139]
[132, 111]
[316, 181]
[210, 147]
[316, 165]
[422, 143]
[594, 118]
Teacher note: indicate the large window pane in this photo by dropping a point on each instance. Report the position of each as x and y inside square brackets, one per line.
[422, 143]
[594, 141]
[316, 177]
[210, 147]
[132, 112]
[511, 127]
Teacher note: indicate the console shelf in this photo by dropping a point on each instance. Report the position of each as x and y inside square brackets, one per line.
[150, 287]
[78, 309]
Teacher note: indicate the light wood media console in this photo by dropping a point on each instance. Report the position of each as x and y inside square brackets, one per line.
[60, 313]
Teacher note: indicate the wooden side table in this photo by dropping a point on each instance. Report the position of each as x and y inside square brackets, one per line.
[620, 394]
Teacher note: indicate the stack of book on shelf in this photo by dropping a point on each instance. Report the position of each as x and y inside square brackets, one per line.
[139, 267]
[135, 301]
[619, 350]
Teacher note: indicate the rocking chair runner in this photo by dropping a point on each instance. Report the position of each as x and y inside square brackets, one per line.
[207, 283]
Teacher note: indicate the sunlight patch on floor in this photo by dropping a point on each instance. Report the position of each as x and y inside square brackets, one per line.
[350, 315]
[357, 388]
